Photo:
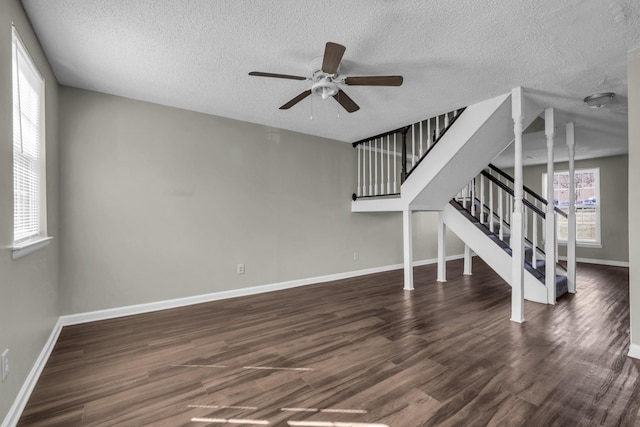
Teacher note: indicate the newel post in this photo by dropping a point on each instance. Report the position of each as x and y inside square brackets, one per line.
[571, 235]
[517, 225]
[550, 214]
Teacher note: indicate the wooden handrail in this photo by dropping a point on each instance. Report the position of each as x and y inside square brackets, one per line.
[525, 202]
[527, 190]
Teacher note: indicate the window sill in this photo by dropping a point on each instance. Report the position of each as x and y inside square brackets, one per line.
[595, 245]
[30, 246]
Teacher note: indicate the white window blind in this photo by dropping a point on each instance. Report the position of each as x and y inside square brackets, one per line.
[28, 147]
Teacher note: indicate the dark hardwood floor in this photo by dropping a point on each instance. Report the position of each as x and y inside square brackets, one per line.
[355, 352]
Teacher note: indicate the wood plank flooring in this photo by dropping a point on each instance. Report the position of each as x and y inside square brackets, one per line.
[356, 352]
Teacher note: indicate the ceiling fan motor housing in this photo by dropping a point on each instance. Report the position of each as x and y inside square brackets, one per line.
[324, 88]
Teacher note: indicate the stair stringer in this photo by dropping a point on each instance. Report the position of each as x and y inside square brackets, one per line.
[492, 254]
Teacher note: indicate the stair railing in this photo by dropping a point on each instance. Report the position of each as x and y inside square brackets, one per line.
[530, 197]
[386, 160]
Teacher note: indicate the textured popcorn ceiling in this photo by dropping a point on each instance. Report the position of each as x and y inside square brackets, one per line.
[195, 54]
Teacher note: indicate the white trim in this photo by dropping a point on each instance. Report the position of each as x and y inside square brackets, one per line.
[13, 416]
[634, 351]
[611, 263]
[23, 249]
[112, 313]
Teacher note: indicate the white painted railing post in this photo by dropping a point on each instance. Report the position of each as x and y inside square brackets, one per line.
[370, 172]
[358, 189]
[382, 168]
[407, 243]
[420, 124]
[517, 229]
[550, 220]
[395, 164]
[500, 210]
[389, 165]
[413, 145]
[442, 248]
[473, 197]
[481, 198]
[491, 227]
[375, 165]
[571, 220]
[468, 261]
[429, 141]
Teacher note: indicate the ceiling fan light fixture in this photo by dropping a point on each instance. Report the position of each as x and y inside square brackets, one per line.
[598, 100]
[325, 88]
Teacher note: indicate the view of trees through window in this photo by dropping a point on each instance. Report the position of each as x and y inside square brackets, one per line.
[587, 200]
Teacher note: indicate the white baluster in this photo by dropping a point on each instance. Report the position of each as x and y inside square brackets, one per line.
[382, 165]
[370, 172]
[534, 256]
[429, 140]
[437, 128]
[375, 165]
[413, 145]
[358, 192]
[389, 166]
[500, 213]
[465, 192]
[481, 199]
[364, 170]
[473, 197]
[491, 227]
[420, 124]
[395, 165]
[446, 120]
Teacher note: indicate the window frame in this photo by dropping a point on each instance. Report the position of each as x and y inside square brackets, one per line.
[33, 242]
[597, 242]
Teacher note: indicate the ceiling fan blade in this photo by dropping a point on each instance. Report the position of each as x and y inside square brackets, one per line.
[346, 102]
[332, 56]
[295, 100]
[374, 81]
[277, 76]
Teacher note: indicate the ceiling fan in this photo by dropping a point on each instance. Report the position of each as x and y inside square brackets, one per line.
[327, 80]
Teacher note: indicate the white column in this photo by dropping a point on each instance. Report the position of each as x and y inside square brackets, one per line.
[517, 231]
[468, 261]
[442, 248]
[571, 235]
[550, 214]
[407, 243]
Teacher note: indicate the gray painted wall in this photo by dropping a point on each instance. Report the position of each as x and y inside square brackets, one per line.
[160, 203]
[634, 192]
[28, 286]
[614, 212]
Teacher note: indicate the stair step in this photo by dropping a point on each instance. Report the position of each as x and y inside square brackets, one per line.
[562, 285]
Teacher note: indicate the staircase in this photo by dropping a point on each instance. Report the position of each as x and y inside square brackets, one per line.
[443, 164]
[477, 215]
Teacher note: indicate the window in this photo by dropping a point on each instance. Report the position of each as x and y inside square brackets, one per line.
[587, 204]
[29, 196]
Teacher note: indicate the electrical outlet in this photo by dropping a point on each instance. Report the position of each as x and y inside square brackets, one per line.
[5, 364]
[356, 256]
[240, 269]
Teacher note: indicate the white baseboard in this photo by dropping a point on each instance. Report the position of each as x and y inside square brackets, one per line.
[32, 378]
[599, 261]
[634, 351]
[112, 313]
[73, 319]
